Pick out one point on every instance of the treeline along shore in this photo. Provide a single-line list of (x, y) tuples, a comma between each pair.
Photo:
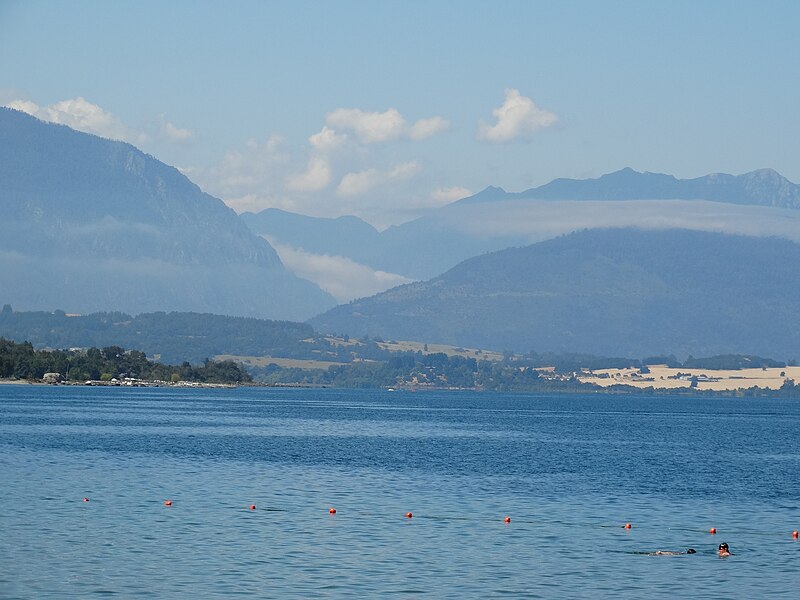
[(20, 361), (543, 374), (406, 370), (203, 349)]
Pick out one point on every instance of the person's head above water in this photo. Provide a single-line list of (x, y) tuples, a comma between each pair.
[(691, 551), (723, 549)]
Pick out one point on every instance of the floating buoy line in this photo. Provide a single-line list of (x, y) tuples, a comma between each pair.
[(795, 534)]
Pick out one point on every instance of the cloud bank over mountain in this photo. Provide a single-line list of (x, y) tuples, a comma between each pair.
[(761, 203)]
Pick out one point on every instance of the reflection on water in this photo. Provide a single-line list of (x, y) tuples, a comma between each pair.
[(568, 470)]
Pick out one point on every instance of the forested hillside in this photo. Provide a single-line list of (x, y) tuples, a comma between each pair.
[(172, 337), (617, 292)]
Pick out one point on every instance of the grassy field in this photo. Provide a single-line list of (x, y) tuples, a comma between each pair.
[(449, 350), (263, 361)]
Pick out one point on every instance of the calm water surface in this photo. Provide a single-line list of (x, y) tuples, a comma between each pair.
[(568, 470)]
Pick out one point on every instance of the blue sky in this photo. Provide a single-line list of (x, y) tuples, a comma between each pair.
[(387, 109)]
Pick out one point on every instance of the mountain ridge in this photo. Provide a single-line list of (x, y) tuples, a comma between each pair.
[(762, 187), (343, 235), (495, 219), (93, 224)]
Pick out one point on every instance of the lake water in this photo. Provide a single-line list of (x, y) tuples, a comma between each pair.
[(570, 471)]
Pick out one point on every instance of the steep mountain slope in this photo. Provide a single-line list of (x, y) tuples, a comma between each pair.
[(614, 292), (92, 224)]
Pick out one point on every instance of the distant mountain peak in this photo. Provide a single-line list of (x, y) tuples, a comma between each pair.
[(770, 175), (487, 194), (625, 171), (630, 173), (762, 187)]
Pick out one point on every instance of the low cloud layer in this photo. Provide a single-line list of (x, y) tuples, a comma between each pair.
[(342, 278), (517, 118), (529, 221)]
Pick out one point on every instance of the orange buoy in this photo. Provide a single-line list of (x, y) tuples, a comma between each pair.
[(332, 511), (628, 525), (252, 507), (713, 530), (85, 499), (507, 520), (795, 534), (168, 503), (409, 515)]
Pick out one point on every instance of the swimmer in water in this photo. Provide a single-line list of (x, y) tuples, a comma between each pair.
[(723, 550), (671, 552)]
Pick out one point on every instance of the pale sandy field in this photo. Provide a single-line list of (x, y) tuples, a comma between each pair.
[(664, 377)]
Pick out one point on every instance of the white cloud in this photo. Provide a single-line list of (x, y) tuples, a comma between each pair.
[(451, 194), (327, 139), (25, 106), (258, 168), (404, 170), (316, 176), (331, 175), (371, 127), (425, 128), (355, 184), (341, 277), (82, 115), (368, 126), (174, 133), (518, 117)]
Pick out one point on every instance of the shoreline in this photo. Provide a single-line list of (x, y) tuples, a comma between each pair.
[(615, 388), (137, 383)]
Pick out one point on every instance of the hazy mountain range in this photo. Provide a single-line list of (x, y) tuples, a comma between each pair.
[(764, 187), (613, 292), (91, 224), (700, 266), (758, 203)]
